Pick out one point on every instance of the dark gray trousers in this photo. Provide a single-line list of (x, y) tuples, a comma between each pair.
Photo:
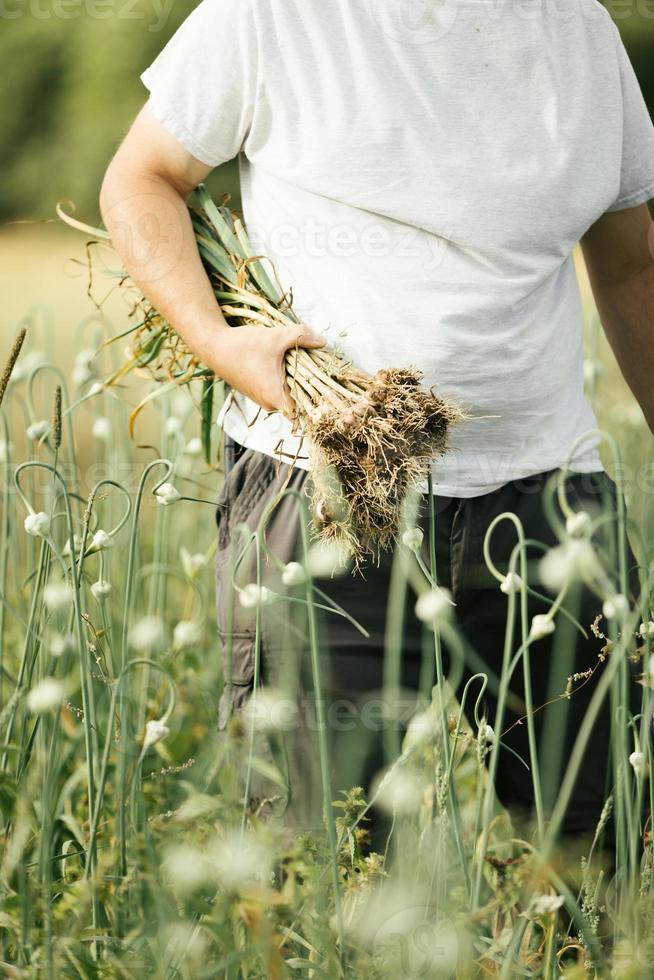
[(352, 665)]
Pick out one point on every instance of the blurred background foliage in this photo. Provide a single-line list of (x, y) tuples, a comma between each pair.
[(70, 87)]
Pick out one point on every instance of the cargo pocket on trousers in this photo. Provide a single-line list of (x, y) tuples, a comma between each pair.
[(235, 695)]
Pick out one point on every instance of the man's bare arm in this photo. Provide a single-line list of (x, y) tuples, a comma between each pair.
[(143, 204), (619, 254)]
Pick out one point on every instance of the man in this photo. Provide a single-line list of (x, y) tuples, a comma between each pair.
[(420, 183)]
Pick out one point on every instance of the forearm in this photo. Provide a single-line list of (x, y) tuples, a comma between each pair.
[(626, 309), (151, 229)]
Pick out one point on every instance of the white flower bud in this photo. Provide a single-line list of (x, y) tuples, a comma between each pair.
[(38, 429), (38, 525), (95, 389), (192, 564), (293, 574), (193, 447), (59, 644), (173, 426), (26, 365), (183, 466), (180, 401), (238, 859), (541, 626), (76, 545), (413, 538), (511, 583), (47, 695), (423, 729), (85, 357), (546, 904), (399, 790), (434, 605), (187, 867), (270, 711), (101, 590), (646, 629), (58, 596), (186, 633), (166, 494), (102, 541), (102, 429), (638, 762), (147, 634), (81, 375), (616, 607), (155, 731), (486, 735), (253, 595), (567, 562), (326, 558), (579, 525)]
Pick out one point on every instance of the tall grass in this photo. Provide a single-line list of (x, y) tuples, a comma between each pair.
[(137, 837)]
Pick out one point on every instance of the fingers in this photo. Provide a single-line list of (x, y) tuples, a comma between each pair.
[(287, 407), (288, 338)]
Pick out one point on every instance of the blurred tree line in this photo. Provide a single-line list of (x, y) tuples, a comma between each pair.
[(69, 87)]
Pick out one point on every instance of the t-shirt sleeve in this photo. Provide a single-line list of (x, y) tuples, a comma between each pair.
[(637, 168), (203, 84)]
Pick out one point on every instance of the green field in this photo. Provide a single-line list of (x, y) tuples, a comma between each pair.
[(135, 836), (131, 845)]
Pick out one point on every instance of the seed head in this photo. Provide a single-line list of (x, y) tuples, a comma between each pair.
[(56, 418), (11, 363)]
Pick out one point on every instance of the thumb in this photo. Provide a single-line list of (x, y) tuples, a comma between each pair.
[(303, 336)]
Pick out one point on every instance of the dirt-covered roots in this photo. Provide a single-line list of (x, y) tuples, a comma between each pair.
[(368, 454)]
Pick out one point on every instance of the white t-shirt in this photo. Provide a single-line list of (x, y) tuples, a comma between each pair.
[(419, 173)]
